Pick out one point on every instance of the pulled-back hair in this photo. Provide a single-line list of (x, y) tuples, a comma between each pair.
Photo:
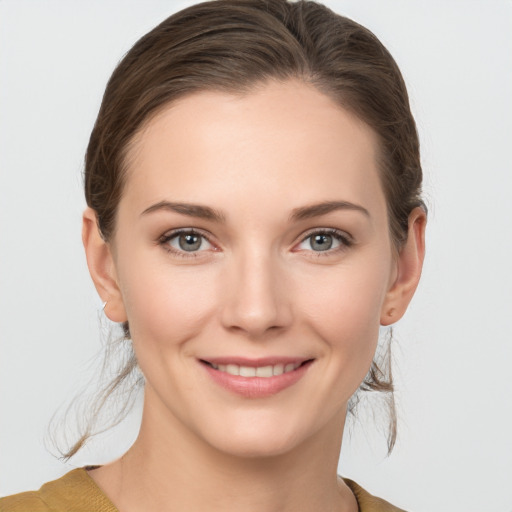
[(233, 46)]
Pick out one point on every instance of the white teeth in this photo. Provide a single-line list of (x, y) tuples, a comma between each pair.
[(233, 369), (247, 371), (264, 371), (259, 371), (278, 369)]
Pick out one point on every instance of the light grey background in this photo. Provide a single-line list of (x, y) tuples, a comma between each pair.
[(454, 348)]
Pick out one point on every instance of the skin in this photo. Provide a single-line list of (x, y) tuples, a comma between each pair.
[(256, 287)]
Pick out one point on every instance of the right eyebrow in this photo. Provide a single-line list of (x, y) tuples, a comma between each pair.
[(191, 210)]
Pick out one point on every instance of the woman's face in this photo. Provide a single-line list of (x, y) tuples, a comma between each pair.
[(254, 265)]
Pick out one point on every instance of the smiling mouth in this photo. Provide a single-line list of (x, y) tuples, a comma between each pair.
[(266, 371)]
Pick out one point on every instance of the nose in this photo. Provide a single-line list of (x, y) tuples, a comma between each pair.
[(257, 298)]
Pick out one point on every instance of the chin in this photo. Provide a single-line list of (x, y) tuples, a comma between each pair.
[(254, 447), (258, 439)]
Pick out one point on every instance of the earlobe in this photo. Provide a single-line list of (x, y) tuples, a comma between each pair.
[(101, 267), (409, 267)]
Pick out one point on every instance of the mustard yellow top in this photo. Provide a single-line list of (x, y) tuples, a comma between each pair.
[(76, 491)]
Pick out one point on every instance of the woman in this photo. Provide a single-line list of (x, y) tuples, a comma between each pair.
[(254, 216)]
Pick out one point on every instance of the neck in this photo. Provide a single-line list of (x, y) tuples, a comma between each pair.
[(169, 468)]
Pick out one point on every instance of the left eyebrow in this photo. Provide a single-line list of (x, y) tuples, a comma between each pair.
[(315, 210)]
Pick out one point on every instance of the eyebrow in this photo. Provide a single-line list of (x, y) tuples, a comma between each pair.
[(302, 213), (192, 210), (315, 210)]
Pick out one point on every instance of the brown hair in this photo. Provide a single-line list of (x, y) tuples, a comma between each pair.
[(232, 46)]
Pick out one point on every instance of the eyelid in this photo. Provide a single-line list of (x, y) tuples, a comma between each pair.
[(327, 231), (164, 239), (346, 240)]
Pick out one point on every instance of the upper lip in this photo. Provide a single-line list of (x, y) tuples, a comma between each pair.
[(255, 362)]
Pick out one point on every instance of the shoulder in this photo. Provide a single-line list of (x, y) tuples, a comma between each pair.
[(369, 503), (74, 492), (24, 502)]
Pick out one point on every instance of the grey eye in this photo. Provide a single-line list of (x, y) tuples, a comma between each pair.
[(190, 242), (186, 243), (321, 242)]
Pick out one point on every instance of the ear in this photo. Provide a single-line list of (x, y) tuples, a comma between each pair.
[(409, 265), (101, 267)]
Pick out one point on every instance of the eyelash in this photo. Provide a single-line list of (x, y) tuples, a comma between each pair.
[(345, 240), (165, 239)]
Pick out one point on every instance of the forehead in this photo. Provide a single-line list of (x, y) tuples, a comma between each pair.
[(284, 142)]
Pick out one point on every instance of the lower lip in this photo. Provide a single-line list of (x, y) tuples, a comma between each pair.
[(257, 387)]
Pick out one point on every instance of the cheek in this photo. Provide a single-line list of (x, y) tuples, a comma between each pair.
[(343, 308), (166, 306)]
